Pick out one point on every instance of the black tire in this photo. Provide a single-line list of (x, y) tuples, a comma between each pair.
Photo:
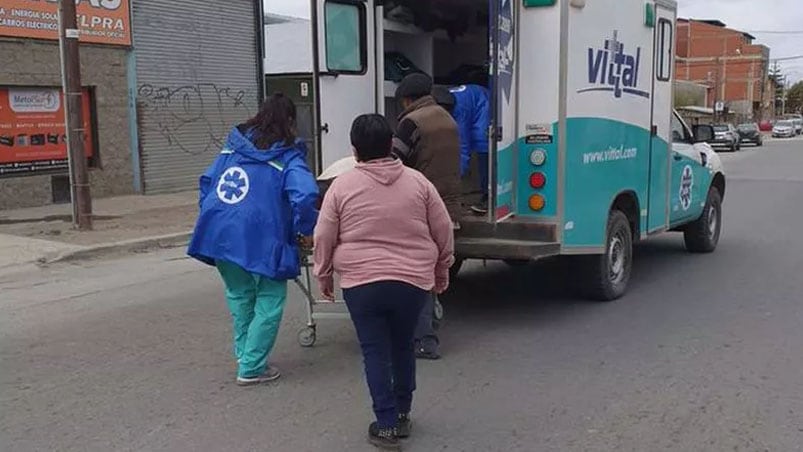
[(606, 275), (517, 262), (733, 147), (702, 236)]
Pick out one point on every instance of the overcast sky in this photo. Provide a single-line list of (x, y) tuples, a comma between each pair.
[(747, 15)]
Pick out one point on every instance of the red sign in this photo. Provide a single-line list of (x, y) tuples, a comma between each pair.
[(32, 130), (99, 21)]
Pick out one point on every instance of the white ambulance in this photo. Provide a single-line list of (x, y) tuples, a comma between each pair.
[(587, 155)]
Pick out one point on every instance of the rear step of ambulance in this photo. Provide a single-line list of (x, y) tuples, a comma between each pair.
[(515, 239)]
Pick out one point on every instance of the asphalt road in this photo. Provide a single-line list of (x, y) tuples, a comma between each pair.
[(705, 353)]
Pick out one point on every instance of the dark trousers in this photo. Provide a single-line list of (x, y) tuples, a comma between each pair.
[(482, 166), (425, 329), (385, 314)]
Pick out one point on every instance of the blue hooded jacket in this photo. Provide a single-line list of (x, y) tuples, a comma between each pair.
[(254, 205), (472, 114)]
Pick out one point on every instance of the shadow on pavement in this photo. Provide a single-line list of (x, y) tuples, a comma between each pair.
[(547, 286)]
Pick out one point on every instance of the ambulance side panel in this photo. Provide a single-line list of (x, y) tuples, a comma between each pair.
[(539, 101), (609, 113)]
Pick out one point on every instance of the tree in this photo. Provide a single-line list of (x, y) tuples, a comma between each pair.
[(779, 79), (794, 98)]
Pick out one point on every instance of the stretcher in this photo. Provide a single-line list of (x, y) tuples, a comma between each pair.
[(307, 335)]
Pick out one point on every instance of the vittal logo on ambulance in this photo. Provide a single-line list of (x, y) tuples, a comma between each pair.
[(614, 68)]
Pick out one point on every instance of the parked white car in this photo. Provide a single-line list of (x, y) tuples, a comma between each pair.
[(784, 129), (797, 121)]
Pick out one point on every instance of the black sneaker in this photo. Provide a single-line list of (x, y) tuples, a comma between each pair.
[(405, 426), (480, 208), (383, 438), (427, 348)]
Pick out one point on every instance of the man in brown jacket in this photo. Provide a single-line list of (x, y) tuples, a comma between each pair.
[(427, 139)]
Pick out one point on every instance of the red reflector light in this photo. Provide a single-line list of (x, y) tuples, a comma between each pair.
[(537, 180)]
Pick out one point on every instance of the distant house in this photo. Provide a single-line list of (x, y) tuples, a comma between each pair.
[(288, 47), (728, 62)]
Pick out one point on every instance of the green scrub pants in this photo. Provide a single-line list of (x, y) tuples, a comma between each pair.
[(256, 304)]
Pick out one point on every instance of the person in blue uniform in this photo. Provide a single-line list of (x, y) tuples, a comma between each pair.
[(470, 107), (257, 204)]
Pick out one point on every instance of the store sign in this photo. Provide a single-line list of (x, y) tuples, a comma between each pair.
[(32, 131), (99, 21)]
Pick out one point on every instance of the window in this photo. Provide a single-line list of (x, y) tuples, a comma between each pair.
[(679, 132), (663, 59), (345, 37)]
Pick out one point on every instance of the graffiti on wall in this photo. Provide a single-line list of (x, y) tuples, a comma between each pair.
[(194, 118)]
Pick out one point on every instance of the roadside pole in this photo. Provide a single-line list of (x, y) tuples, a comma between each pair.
[(71, 81)]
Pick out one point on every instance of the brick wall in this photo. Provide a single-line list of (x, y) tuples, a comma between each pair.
[(36, 63), (709, 52)]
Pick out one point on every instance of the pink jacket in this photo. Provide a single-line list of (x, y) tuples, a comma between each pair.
[(382, 221)]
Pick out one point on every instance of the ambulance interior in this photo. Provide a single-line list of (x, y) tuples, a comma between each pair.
[(446, 39)]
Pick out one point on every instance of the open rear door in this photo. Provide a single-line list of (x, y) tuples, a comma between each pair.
[(344, 71), (662, 138), (503, 136)]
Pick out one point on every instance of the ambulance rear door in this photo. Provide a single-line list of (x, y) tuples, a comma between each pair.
[(344, 72)]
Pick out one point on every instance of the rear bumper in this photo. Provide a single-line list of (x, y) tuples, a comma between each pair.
[(516, 239), (503, 249), (722, 144)]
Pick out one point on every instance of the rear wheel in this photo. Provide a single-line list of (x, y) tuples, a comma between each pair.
[(702, 236), (607, 275), (517, 262)]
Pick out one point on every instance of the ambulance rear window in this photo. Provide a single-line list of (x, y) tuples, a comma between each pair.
[(345, 37)]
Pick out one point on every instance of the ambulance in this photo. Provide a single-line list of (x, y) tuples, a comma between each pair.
[(587, 156)]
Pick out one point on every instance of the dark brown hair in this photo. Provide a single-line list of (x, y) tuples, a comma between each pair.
[(371, 137), (275, 122)]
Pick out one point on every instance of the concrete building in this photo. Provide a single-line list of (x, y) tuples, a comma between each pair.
[(729, 63), (29, 64), (165, 81), (288, 47)]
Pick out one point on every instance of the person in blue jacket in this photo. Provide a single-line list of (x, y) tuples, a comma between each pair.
[(257, 203), (470, 107)]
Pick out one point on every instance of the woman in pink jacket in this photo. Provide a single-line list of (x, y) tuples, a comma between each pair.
[(385, 231)]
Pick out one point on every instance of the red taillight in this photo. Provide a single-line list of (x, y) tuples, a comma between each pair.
[(537, 180)]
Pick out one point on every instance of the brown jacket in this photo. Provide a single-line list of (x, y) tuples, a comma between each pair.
[(427, 139)]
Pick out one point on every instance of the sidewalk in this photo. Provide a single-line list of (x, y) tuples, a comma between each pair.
[(43, 234)]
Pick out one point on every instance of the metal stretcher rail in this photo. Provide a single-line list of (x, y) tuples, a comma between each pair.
[(307, 335)]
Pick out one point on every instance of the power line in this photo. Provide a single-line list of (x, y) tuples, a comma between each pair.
[(797, 57), (776, 32)]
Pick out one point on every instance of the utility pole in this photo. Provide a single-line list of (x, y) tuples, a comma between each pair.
[(717, 82), (71, 80)]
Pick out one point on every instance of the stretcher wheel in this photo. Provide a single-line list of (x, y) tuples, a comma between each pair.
[(437, 311), (306, 336)]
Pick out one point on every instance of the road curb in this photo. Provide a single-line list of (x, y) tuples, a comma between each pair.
[(131, 246)]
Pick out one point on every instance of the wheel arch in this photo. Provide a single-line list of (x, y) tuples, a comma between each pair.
[(628, 203), (719, 183)]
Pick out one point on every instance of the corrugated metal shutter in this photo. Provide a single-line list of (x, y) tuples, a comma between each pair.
[(197, 72)]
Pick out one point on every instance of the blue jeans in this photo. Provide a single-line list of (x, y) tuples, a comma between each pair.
[(256, 304), (385, 314)]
